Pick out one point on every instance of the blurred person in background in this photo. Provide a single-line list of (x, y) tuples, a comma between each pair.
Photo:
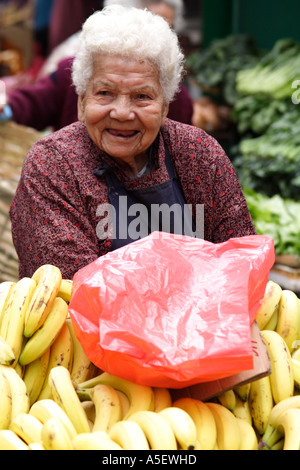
[(52, 101)]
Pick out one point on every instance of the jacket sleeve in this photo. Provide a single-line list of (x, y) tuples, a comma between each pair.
[(49, 221)]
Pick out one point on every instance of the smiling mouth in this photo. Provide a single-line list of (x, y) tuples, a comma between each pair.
[(122, 134)]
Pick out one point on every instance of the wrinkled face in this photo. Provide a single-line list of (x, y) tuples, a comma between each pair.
[(123, 107)]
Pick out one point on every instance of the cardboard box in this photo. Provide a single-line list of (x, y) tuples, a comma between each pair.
[(261, 368)]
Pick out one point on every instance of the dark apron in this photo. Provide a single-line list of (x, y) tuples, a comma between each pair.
[(127, 205)]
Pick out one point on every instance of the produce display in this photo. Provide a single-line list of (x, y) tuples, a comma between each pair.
[(53, 398), (267, 115), (278, 218)]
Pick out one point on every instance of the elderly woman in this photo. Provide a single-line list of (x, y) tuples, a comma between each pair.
[(83, 187)]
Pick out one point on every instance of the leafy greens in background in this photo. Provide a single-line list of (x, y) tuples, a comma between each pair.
[(277, 217)]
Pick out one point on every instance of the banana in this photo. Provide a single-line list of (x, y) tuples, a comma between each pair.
[(45, 336), (55, 436), (272, 434), (36, 446), (90, 410), (228, 431), (183, 426), (35, 376), (19, 395), (45, 409), (288, 325), (162, 398), (281, 377), (242, 391), (248, 436), (48, 279), (203, 419), (64, 394), (296, 371), (13, 320), (296, 354), (156, 428), (7, 356), (261, 403), (141, 397), (272, 323), (97, 440), (65, 290), (5, 402), (5, 290), (269, 305), (61, 354), (289, 424), (10, 441), (81, 363), (242, 410), (125, 403), (107, 406), (19, 369), (128, 435), (27, 427), (227, 399)]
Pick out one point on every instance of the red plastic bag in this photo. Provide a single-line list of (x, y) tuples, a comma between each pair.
[(170, 310)]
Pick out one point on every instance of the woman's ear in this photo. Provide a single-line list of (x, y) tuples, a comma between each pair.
[(81, 107), (165, 113)]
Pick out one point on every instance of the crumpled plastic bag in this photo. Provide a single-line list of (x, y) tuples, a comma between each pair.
[(170, 310)]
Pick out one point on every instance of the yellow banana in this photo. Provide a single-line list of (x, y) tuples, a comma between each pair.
[(45, 409), (183, 426), (64, 394), (261, 403), (97, 440), (296, 353), (272, 434), (20, 399), (141, 397), (125, 403), (13, 321), (248, 436), (27, 427), (81, 363), (65, 290), (227, 399), (61, 354), (203, 419), (90, 410), (228, 432), (5, 402), (242, 391), (157, 430), (288, 325), (107, 406), (272, 323), (242, 410), (5, 290), (36, 446), (19, 369), (281, 377), (289, 424), (55, 436), (296, 371), (129, 435), (162, 398), (48, 279), (10, 441), (45, 336), (269, 305), (35, 375), (7, 356)]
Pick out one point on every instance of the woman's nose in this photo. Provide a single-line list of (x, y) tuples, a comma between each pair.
[(122, 109)]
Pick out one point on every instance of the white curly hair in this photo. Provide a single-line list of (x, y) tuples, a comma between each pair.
[(129, 32)]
